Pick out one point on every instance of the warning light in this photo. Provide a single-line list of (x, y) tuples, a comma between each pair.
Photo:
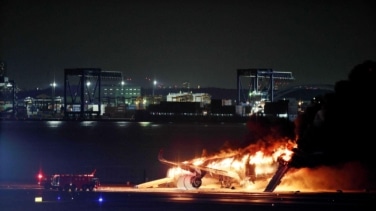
[(40, 177)]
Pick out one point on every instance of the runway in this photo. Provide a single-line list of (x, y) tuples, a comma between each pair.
[(123, 152), (115, 197)]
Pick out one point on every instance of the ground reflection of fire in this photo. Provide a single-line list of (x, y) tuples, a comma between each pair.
[(348, 176)]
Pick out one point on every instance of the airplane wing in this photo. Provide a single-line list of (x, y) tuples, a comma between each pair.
[(194, 167), (164, 182)]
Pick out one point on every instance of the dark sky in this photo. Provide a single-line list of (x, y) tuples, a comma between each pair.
[(203, 42)]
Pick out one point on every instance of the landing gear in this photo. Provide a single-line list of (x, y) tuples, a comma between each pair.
[(225, 182)]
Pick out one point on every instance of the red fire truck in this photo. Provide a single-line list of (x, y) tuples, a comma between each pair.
[(72, 182)]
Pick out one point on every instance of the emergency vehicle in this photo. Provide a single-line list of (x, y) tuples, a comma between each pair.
[(71, 182)]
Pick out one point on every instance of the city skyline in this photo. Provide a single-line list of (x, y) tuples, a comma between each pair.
[(203, 43)]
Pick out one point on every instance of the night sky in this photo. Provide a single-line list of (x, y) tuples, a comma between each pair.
[(202, 42)]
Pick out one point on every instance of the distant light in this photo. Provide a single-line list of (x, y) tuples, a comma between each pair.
[(38, 199), (100, 199)]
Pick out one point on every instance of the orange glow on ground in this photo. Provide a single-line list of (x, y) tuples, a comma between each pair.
[(350, 176)]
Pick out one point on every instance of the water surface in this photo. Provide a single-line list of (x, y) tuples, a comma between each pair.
[(119, 151)]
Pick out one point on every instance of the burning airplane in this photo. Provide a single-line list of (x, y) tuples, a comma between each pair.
[(241, 168)]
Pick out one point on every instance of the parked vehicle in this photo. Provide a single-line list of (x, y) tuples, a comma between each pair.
[(71, 182)]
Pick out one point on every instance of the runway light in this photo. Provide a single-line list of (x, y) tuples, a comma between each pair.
[(38, 199), (100, 199)]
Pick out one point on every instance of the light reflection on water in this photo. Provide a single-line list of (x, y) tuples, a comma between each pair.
[(54, 123), (123, 124), (144, 124), (88, 123)]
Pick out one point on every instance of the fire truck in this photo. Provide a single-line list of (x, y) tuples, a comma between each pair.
[(71, 182)]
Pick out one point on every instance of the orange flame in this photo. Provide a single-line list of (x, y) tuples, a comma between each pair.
[(264, 161)]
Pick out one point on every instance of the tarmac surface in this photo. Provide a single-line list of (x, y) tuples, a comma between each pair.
[(117, 197)]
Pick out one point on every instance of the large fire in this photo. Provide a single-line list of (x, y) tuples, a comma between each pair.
[(243, 165), (263, 162)]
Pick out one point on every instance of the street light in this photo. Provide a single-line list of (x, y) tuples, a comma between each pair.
[(53, 85), (122, 92), (12, 84), (154, 84), (88, 83)]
